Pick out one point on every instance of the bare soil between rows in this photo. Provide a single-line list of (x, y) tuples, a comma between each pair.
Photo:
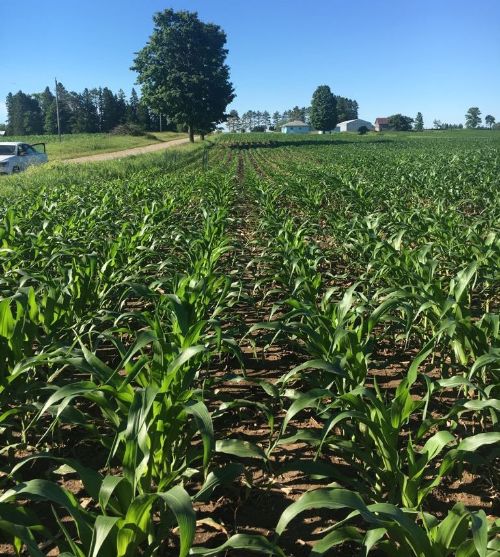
[(240, 508)]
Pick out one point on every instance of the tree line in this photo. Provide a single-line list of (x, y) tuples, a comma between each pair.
[(91, 111), (256, 120)]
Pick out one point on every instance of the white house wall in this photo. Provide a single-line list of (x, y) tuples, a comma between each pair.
[(294, 129)]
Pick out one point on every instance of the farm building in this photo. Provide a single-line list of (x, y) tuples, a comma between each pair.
[(2, 132), (296, 126), (353, 125), (382, 124)]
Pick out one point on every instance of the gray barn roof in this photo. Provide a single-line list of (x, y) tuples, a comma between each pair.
[(296, 124), (354, 120)]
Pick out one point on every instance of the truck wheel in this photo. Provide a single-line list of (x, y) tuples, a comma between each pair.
[(15, 170)]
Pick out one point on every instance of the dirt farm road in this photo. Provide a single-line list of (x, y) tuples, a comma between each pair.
[(129, 152)]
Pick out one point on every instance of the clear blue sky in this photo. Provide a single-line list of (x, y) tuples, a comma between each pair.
[(435, 56)]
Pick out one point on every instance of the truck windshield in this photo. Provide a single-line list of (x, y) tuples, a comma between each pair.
[(7, 150)]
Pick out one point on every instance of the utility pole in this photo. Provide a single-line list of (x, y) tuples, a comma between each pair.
[(161, 127), (57, 112)]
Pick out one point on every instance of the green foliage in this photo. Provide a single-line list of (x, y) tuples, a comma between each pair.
[(323, 109), (473, 117), (91, 111), (489, 120), (128, 297), (24, 116), (192, 89), (419, 122), (400, 123)]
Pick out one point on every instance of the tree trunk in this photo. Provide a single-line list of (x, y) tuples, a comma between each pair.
[(191, 134), (202, 136)]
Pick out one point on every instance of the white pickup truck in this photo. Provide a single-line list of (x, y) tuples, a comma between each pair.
[(16, 156)]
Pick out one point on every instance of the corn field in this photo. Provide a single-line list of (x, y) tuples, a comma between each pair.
[(284, 346)]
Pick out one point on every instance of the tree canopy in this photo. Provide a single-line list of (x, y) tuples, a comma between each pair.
[(183, 72), (489, 120), (347, 109), (419, 122), (92, 110), (473, 117), (400, 123), (323, 109)]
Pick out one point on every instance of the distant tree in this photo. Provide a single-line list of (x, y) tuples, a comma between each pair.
[(133, 107), (243, 121), (363, 130), (233, 120), (400, 123), (323, 109), (354, 108), (248, 120), (347, 109), (121, 107), (182, 70), (24, 115), (446, 126), (252, 115), (473, 117), (266, 119), (307, 115), (85, 118), (489, 120), (437, 124), (276, 119), (65, 102), (496, 126), (97, 99), (419, 122), (47, 101), (109, 114), (297, 113)]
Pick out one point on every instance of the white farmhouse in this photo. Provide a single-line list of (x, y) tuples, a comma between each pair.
[(296, 126), (353, 125)]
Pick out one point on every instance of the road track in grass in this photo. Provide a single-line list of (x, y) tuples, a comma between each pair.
[(153, 148)]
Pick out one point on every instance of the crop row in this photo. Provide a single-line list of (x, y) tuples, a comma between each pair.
[(121, 307)]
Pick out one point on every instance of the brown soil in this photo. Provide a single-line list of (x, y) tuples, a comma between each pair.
[(257, 509)]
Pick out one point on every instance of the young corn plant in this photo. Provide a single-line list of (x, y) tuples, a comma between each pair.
[(400, 469), (385, 529)]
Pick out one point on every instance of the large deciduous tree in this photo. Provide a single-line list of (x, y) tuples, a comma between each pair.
[(473, 117), (489, 120), (323, 109), (400, 123), (182, 70)]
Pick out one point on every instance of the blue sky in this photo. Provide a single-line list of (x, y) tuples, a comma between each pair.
[(435, 56)]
